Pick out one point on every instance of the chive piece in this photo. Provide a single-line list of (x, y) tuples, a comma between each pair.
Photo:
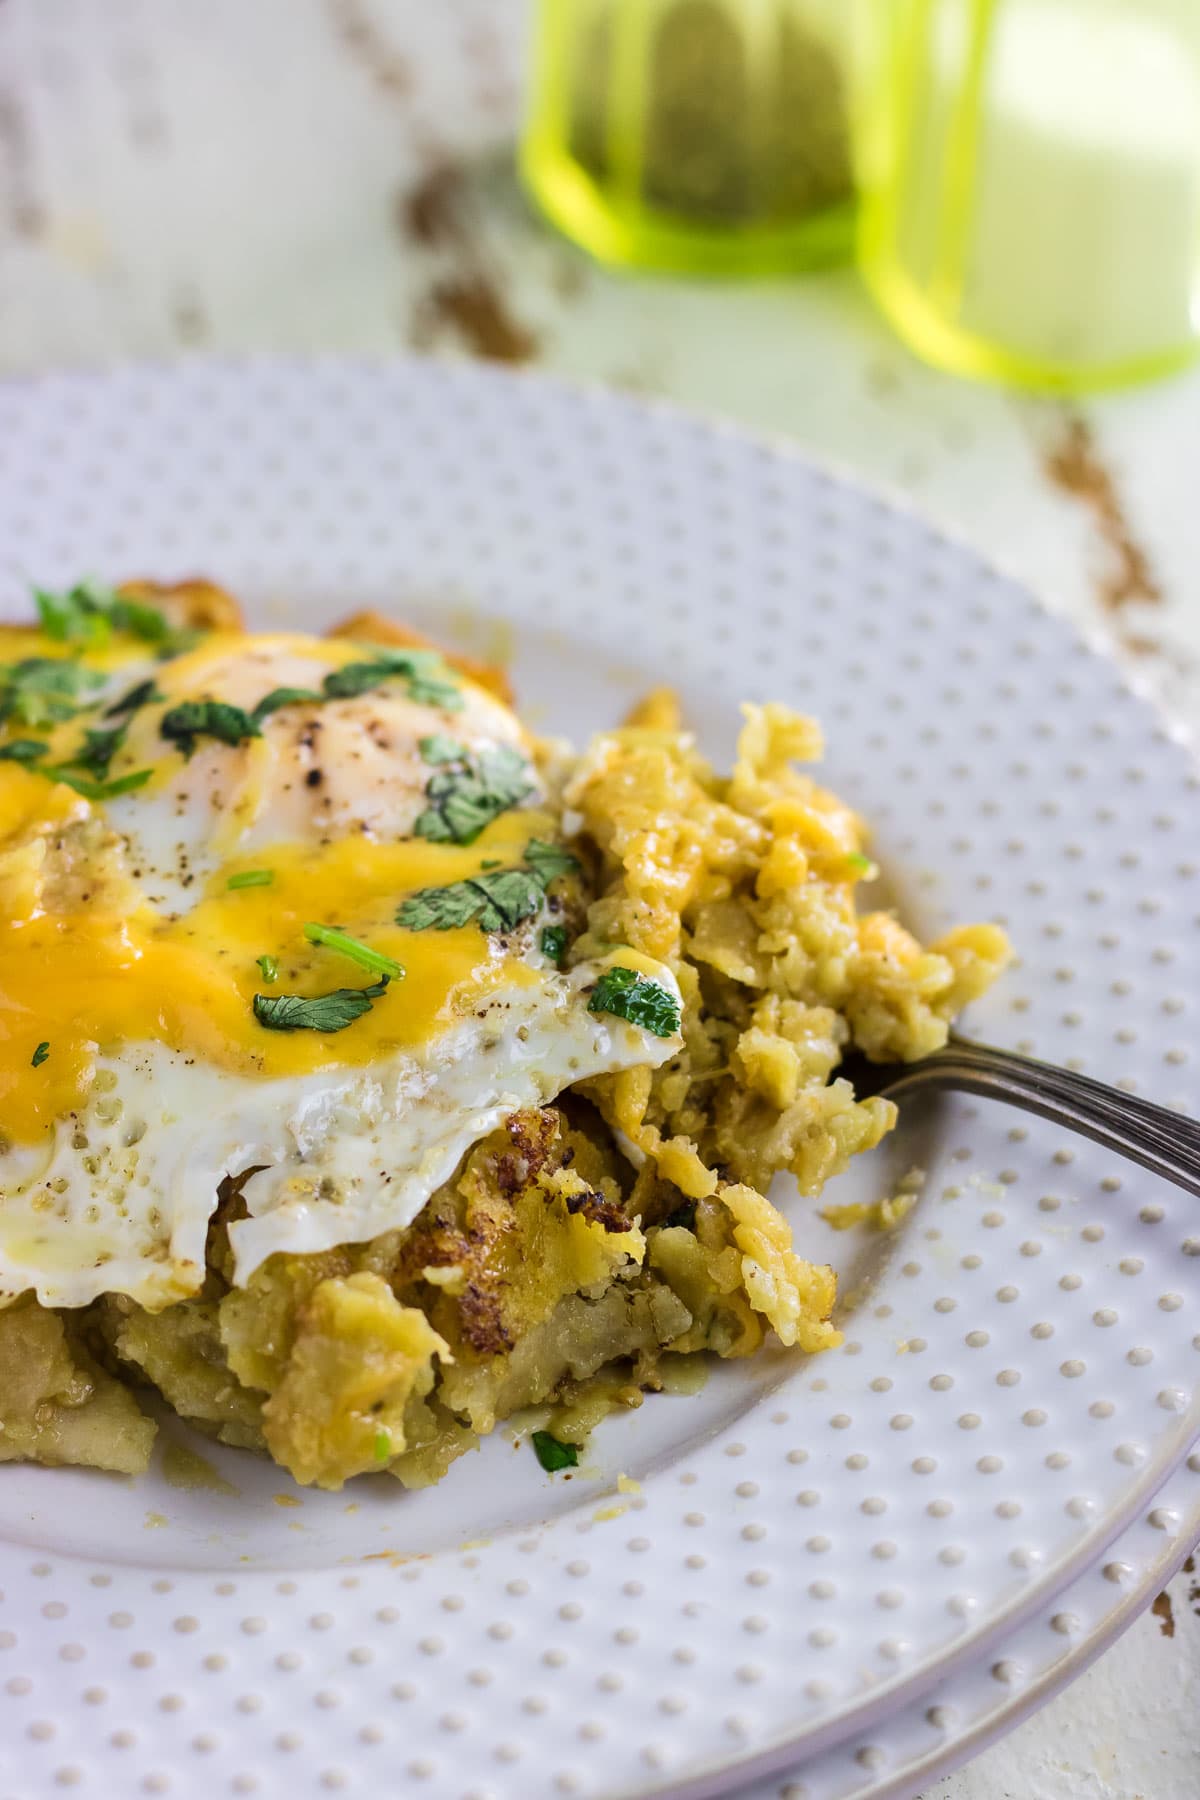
[(251, 878), (99, 790), (40, 1054), (383, 1447), (551, 1454), (333, 939), (269, 967), (554, 944)]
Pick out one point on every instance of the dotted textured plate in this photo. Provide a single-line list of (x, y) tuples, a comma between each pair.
[(815, 1543), (980, 1700)]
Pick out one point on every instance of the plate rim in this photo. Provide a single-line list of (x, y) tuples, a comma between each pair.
[(886, 1695)]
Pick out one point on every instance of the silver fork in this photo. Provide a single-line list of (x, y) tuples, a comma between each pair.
[(1161, 1140)]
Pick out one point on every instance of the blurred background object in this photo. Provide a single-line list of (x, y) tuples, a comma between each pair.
[(1032, 186), (702, 135)]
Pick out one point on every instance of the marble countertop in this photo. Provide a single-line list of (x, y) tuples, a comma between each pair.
[(337, 175)]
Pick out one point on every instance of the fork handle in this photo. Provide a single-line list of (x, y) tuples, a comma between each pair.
[(1161, 1140)]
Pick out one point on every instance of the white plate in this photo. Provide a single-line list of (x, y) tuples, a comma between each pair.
[(816, 1542), (979, 1701)]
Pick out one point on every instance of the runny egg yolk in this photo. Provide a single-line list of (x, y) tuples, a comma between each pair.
[(80, 981), (98, 958)]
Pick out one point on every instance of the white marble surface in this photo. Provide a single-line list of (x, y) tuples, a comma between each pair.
[(177, 177)]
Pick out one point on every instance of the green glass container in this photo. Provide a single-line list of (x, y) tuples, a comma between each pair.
[(1030, 174), (710, 136)]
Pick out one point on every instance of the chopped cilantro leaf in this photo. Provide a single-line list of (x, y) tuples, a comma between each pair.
[(427, 690), (142, 695), (353, 679), (320, 1012), (333, 939), (73, 615), (269, 967), (628, 995), (99, 790), (548, 861), (40, 1054), (553, 943), (191, 719), (281, 696), (23, 750), (499, 900), (89, 613), (468, 791), (424, 672), (44, 690), (552, 1454), (441, 749), (383, 1447), (248, 878)]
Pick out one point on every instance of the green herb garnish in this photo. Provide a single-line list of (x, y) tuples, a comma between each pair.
[(40, 1054), (44, 690), (248, 878), (87, 772), (553, 942), (89, 613), (321, 1012), (549, 861), (383, 1447), (191, 719), (438, 748), (97, 751), (281, 696), (333, 939), (552, 1454), (628, 995), (858, 861), (98, 790), (469, 791), (269, 967), (421, 669), (424, 672), (499, 901), (142, 695)]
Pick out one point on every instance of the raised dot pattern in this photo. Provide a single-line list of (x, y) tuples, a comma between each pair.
[(1031, 1363)]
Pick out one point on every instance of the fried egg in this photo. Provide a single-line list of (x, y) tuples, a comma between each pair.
[(276, 908)]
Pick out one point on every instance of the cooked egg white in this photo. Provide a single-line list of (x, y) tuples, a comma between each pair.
[(127, 953)]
